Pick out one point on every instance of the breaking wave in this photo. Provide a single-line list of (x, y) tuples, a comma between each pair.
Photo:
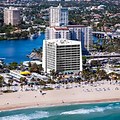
[(35, 115), (91, 110), (40, 114)]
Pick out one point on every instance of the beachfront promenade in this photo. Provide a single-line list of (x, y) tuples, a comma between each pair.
[(101, 91)]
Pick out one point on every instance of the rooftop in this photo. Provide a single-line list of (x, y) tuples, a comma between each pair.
[(12, 8), (63, 42)]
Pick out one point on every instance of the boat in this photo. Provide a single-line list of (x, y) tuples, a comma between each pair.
[(34, 36), (2, 61), (39, 33)]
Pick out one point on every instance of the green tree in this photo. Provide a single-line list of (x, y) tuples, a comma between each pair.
[(84, 59), (36, 68), (10, 81), (22, 81), (1, 82), (101, 74), (53, 73), (42, 82), (13, 65), (86, 74)]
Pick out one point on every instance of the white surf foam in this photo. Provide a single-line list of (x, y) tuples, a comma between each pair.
[(35, 115), (15, 117), (87, 111), (83, 111), (39, 114)]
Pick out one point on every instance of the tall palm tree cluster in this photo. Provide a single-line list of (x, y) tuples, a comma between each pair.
[(1, 80), (97, 75), (35, 68)]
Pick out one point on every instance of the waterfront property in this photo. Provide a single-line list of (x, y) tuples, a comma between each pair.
[(59, 29), (62, 55), (82, 33), (63, 45), (73, 32)]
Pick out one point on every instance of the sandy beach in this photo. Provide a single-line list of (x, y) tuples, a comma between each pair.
[(77, 94)]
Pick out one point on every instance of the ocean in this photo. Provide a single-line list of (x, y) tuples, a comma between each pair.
[(101, 111)]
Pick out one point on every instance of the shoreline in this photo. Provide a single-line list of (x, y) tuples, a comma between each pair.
[(86, 94), (19, 38), (10, 39), (37, 105)]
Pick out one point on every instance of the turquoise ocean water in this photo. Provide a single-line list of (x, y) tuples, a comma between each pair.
[(101, 111)]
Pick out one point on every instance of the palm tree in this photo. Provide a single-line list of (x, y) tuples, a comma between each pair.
[(1, 82), (40, 68), (101, 74), (22, 81), (36, 68), (39, 50), (10, 81), (13, 65), (51, 81), (41, 82), (53, 73), (86, 74)]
